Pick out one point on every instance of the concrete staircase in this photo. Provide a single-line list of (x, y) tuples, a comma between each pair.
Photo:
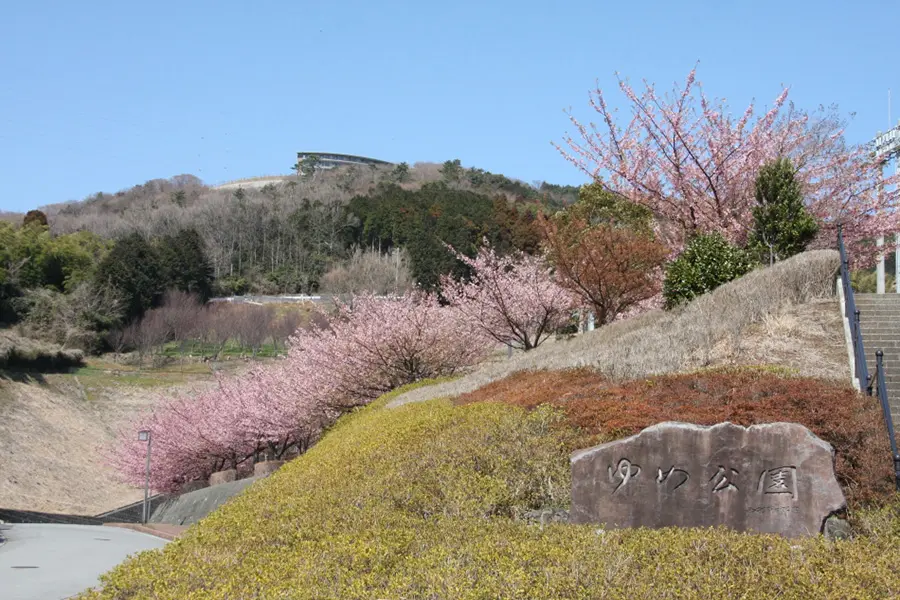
[(879, 317)]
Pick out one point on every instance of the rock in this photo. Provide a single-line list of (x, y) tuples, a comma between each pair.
[(547, 515), (192, 486), (266, 467), (223, 477), (837, 529), (773, 478)]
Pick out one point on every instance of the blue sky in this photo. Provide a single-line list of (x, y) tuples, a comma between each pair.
[(100, 96)]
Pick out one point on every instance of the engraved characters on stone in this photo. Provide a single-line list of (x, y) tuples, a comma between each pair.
[(673, 474), (624, 472), (723, 480), (781, 480)]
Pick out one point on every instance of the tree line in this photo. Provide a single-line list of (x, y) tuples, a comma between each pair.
[(81, 290), (283, 238)]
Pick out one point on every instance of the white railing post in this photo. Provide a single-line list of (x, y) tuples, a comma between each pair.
[(897, 261)]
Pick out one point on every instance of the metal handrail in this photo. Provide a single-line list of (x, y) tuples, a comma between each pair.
[(886, 409), (861, 370)]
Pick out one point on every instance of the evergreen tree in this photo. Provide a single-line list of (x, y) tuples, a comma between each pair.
[(401, 173), (133, 269), (782, 225), (598, 206), (35, 217), (184, 264), (451, 171)]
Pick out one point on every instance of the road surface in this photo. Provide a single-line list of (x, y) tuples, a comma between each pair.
[(51, 562)]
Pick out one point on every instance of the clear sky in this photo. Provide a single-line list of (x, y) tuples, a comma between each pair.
[(102, 95)]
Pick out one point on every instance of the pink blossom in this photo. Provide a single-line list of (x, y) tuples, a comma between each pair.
[(369, 347), (512, 299), (685, 158)]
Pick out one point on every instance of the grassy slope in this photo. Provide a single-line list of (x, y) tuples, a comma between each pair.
[(782, 315), (426, 500), (51, 426), (422, 502)]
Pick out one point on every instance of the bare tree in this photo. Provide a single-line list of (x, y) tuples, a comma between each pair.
[(118, 340), (219, 327), (252, 325), (281, 328), (370, 271), (181, 313), (148, 334)]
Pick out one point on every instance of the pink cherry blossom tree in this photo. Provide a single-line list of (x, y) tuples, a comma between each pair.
[(196, 434), (374, 345), (370, 346), (512, 299), (686, 158)]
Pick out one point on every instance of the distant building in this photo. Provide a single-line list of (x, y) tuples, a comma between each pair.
[(325, 160), (328, 160)]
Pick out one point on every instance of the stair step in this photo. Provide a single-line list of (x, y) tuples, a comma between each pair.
[(872, 295), (889, 360)]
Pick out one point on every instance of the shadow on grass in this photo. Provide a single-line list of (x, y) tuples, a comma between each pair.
[(24, 375)]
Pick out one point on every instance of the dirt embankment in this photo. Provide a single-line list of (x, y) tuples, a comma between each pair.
[(786, 315), (51, 430)]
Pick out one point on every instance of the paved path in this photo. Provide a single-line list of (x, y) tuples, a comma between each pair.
[(63, 560)]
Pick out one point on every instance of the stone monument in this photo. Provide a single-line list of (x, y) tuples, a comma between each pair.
[(773, 478)]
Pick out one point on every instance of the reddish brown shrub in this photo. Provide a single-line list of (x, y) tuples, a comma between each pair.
[(602, 410)]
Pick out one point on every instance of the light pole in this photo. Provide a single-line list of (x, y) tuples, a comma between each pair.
[(144, 436)]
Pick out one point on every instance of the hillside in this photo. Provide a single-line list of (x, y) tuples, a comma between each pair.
[(445, 502), (112, 213), (52, 427), (785, 315), (282, 234), (461, 496)]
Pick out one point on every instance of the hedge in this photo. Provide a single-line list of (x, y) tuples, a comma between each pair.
[(603, 410)]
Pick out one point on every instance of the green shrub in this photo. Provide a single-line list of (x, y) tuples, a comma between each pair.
[(707, 262), (415, 502), (866, 282)]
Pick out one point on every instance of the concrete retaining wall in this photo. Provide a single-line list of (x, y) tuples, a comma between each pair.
[(189, 508)]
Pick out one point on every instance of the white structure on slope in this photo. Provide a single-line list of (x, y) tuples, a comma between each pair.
[(887, 148)]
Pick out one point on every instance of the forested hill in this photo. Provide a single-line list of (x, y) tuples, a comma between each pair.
[(284, 237)]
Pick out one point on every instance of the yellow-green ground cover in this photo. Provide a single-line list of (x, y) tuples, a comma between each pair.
[(424, 502)]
